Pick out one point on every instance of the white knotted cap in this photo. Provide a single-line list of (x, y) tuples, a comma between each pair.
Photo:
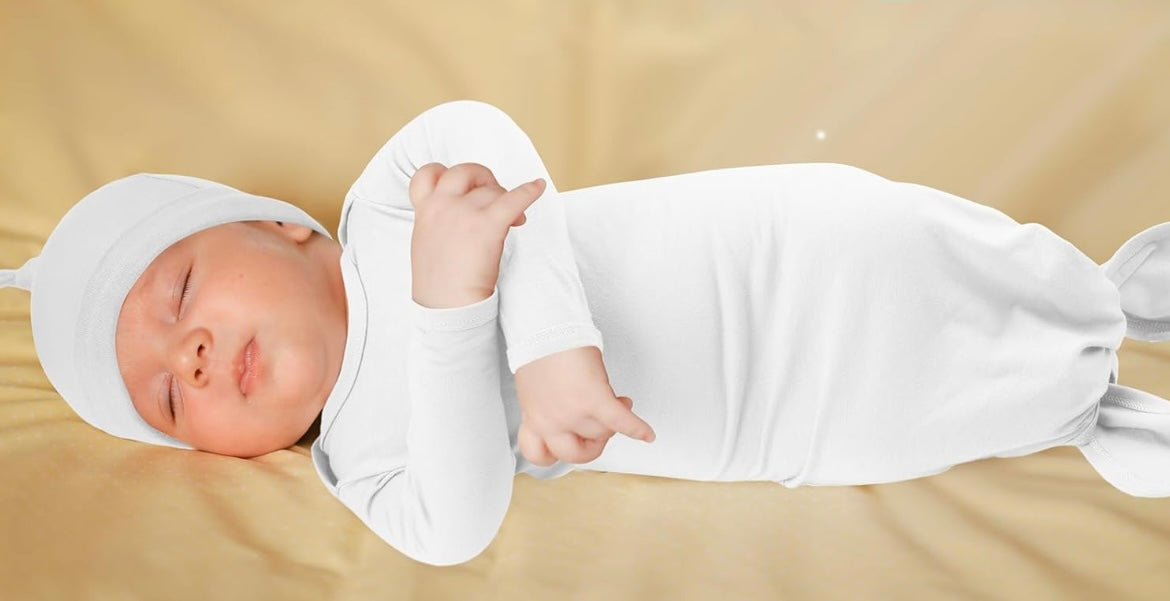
[(90, 262)]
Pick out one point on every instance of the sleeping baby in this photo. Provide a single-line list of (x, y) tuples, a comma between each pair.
[(804, 324)]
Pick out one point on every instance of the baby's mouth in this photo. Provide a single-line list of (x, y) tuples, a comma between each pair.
[(247, 366)]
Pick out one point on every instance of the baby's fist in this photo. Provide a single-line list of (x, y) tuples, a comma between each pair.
[(569, 411), (461, 218)]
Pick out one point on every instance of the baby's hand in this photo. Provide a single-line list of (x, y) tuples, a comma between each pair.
[(569, 411), (461, 217)]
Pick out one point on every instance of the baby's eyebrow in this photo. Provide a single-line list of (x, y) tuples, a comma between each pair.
[(152, 276), (145, 288), (164, 283)]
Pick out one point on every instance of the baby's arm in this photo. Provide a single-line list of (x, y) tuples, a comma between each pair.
[(446, 499), (543, 308), (440, 495)]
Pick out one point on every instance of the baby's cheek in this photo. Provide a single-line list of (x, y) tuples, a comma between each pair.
[(297, 373)]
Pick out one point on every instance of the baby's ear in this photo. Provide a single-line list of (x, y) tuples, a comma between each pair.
[(294, 232)]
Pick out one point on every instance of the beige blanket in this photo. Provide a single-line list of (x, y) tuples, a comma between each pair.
[(1056, 112)]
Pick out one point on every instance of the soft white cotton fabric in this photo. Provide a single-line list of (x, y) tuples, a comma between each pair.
[(92, 259), (807, 324)]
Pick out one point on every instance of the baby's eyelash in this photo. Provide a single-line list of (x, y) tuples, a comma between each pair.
[(186, 288), (172, 392), (173, 388)]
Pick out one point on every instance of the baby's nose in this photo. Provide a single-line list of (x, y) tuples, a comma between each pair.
[(191, 356)]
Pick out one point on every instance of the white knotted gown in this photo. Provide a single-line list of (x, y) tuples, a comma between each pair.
[(808, 324)]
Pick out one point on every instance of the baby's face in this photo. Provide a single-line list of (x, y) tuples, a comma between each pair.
[(232, 338)]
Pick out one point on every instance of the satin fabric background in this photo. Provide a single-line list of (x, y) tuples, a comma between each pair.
[(1053, 111)]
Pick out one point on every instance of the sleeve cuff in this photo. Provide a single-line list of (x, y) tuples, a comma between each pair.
[(553, 340), (454, 319)]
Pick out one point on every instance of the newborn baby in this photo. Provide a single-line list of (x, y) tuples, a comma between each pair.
[(806, 324)]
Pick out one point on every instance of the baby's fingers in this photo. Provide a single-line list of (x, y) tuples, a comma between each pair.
[(510, 206), (619, 417), (533, 447), (423, 182), (571, 448)]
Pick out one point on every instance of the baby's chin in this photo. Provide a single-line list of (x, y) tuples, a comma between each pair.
[(246, 447)]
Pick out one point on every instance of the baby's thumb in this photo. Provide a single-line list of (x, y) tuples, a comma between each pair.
[(627, 401)]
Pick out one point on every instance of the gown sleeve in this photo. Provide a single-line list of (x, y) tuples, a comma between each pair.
[(444, 501), (542, 306)]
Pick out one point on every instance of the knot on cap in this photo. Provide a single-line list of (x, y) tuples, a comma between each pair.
[(21, 278)]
